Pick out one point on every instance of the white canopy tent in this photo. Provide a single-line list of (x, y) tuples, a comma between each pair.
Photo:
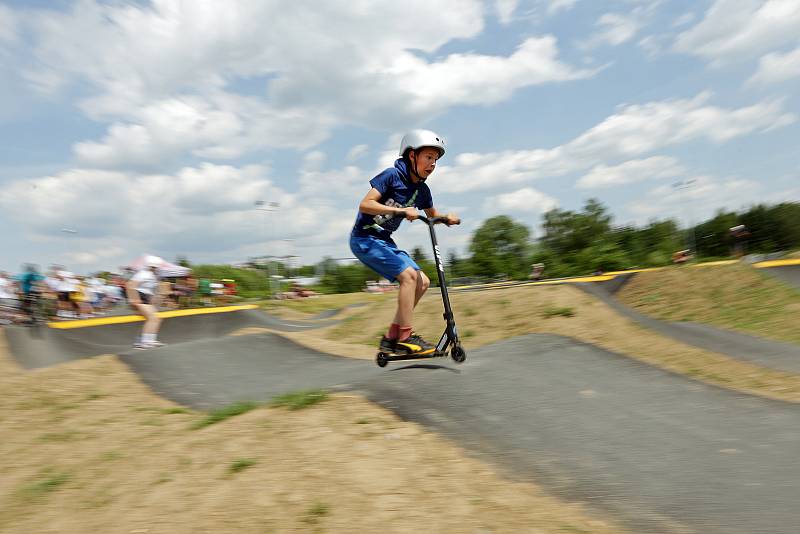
[(166, 270)]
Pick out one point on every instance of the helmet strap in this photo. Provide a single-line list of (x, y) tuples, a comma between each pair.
[(413, 167)]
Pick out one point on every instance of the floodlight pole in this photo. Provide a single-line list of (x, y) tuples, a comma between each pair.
[(267, 208), (681, 186)]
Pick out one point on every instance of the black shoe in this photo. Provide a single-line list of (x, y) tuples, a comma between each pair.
[(388, 345), (415, 345)]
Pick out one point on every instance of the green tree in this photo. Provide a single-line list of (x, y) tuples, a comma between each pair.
[(457, 267), (250, 282), (347, 278), (500, 246), (773, 228), (568, 232), (713, 237)]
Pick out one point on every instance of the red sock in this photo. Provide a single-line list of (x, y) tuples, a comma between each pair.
[(404, 333), (394, 331)]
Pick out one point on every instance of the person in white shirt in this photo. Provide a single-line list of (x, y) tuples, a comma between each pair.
[(67, 307), (96, 292), (111, 294), (141, 290), (9, 304)]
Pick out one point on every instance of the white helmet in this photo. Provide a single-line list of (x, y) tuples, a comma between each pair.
[(153, 261), (416, 139)]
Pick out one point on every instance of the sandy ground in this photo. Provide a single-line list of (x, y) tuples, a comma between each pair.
[(488, 316), (88, 448)]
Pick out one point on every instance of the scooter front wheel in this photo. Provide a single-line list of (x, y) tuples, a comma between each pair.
[(458, 354), (381, 359)]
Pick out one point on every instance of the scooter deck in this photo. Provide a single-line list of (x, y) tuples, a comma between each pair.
[(385, 357)]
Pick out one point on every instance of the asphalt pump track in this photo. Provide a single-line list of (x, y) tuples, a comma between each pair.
[(658, 451), (756, 350), (789, 274)]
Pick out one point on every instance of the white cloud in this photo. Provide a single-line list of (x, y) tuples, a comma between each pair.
[(683, 20), (526, 200), (97, 256), (206, 212), (740, 29), (220, 126), (640, 128), (171, 62), (8, 25), (554, 6), (479, 79), (136, 54), (652, 45), (777, 67), (614, 29), (203, 199), (634, 130), (505, 10), (357, 152), (313, 161), (629, 172), (698, 201)]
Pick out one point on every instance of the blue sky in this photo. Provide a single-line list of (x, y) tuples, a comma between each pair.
[(155, 126)]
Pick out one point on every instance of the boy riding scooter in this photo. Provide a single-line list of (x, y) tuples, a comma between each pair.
[(397, 193)]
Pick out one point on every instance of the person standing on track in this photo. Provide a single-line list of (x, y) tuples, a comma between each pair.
[(142, 294), (396, 194)]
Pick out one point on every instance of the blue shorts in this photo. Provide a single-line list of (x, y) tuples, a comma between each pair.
[(381, 256)]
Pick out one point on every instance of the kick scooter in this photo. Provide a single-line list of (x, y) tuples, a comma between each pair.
[(449, 338)]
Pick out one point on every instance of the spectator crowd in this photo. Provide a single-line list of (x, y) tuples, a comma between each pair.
[(58, 294)]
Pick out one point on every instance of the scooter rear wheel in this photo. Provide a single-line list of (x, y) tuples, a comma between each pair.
[(458, 354)]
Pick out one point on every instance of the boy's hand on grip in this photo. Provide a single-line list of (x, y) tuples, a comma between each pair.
[(410, 214)]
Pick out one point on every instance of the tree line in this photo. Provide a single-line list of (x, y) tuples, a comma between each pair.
[(572, 243)]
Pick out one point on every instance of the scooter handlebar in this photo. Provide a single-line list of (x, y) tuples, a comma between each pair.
[(432, 220)]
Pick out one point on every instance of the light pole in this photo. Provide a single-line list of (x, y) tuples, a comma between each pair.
[(289, 257), (267, 208), (681, 186)]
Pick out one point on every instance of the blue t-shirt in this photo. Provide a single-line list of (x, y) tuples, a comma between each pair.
[(397, 190), (27, 281)]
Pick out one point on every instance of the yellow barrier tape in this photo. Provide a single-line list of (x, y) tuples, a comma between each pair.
[(775, 263), (100, 321)]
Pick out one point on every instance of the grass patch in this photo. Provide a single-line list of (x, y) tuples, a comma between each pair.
[(299, 399), (317, 511), (169, 411), (59, 436), (110, 456), (553, 311), (44, 486), (241, 464), (163, 478), (321, 303), (227, 412)]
